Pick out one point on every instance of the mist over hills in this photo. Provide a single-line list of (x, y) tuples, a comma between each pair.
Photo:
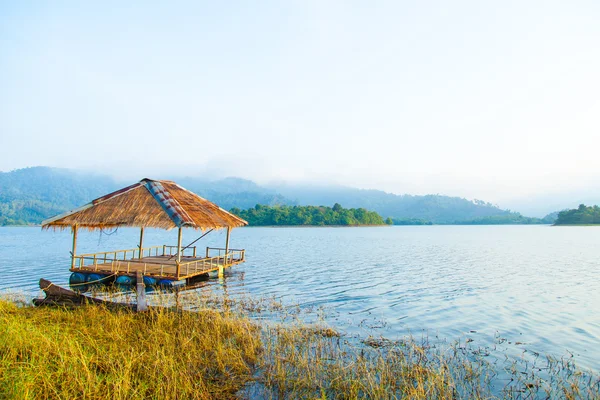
[(233, 192), (29, 195), (434, 207), (538, 206)]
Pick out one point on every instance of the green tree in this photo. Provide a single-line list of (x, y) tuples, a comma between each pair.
[(582, 215), (261, 215)]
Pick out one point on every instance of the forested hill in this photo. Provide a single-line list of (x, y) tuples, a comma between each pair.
[(309, 215), (579, 216), (30, 195), (27, 196), (409, 209)]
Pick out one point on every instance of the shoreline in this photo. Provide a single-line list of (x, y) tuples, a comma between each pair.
[(232, 354)]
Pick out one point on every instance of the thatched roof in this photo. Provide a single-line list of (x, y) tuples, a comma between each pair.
[(148, 203)]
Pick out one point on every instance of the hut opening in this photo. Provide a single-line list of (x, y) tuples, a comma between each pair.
[(151, 204)]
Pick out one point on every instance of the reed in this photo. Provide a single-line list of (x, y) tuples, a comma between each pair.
[(91, 352), (218, 351)]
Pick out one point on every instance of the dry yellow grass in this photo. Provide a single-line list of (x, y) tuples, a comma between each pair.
[(93, 353)]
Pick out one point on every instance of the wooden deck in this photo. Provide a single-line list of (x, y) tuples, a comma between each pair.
[(158, 264)]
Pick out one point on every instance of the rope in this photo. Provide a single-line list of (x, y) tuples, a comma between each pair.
[(91, 282), (108, 234), (105, 233), (79, 284), (30, 287), (36, 287)]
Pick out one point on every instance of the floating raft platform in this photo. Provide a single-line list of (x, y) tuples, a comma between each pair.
[(159, 262), (149, 204)]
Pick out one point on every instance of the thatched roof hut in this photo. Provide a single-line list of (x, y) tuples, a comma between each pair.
[(147, 204)]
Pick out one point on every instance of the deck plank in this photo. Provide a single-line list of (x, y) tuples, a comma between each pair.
[(159, 266)]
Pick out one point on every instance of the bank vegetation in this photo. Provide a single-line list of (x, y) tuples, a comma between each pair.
[(216, 351)]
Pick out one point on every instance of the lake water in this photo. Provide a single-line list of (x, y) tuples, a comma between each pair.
[(525, 289)]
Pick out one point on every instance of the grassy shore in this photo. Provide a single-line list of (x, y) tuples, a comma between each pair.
[(91, 352)]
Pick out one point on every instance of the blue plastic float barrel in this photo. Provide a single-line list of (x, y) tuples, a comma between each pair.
[(95, 278), (77, 278), (95, 281), (149, 281), (124, 280), (77, 281)]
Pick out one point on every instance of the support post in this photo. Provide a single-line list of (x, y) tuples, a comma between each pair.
[(222, 267), (74, 251), (141, 243), (227, 240), (178, 251), (141, 292)]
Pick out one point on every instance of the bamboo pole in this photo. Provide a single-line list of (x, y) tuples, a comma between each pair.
[(178, 251), (74, 251), (222, 267), (140, 292), (141, 243), (227, 240)]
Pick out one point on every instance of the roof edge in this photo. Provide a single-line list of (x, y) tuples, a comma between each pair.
[(244, 222), (66, 214), (91, 204)]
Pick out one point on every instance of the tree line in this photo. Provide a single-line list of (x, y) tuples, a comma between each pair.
[(261, 215), (582, 215), (30, 195)]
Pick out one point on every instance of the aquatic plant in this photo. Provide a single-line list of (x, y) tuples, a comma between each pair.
[(214, 349)]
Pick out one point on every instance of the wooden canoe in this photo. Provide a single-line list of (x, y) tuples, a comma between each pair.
[(56, 295)]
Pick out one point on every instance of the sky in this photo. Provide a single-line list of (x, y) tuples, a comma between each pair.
[(498, 101)]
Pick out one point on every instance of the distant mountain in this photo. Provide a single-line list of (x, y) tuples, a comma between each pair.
[(233, 192), (551, 218), (27, 196), (540, 205), (30, 195), (53, 185), (434, 208)]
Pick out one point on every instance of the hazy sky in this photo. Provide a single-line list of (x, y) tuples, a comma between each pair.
[(491, 100)]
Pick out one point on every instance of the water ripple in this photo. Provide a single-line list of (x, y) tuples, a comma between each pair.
[(537, 285)]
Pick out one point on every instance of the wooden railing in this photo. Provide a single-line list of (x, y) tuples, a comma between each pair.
[(123, 260), (185, 252), (210, 251), (131, 254), (234, 256), (129, 267)]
